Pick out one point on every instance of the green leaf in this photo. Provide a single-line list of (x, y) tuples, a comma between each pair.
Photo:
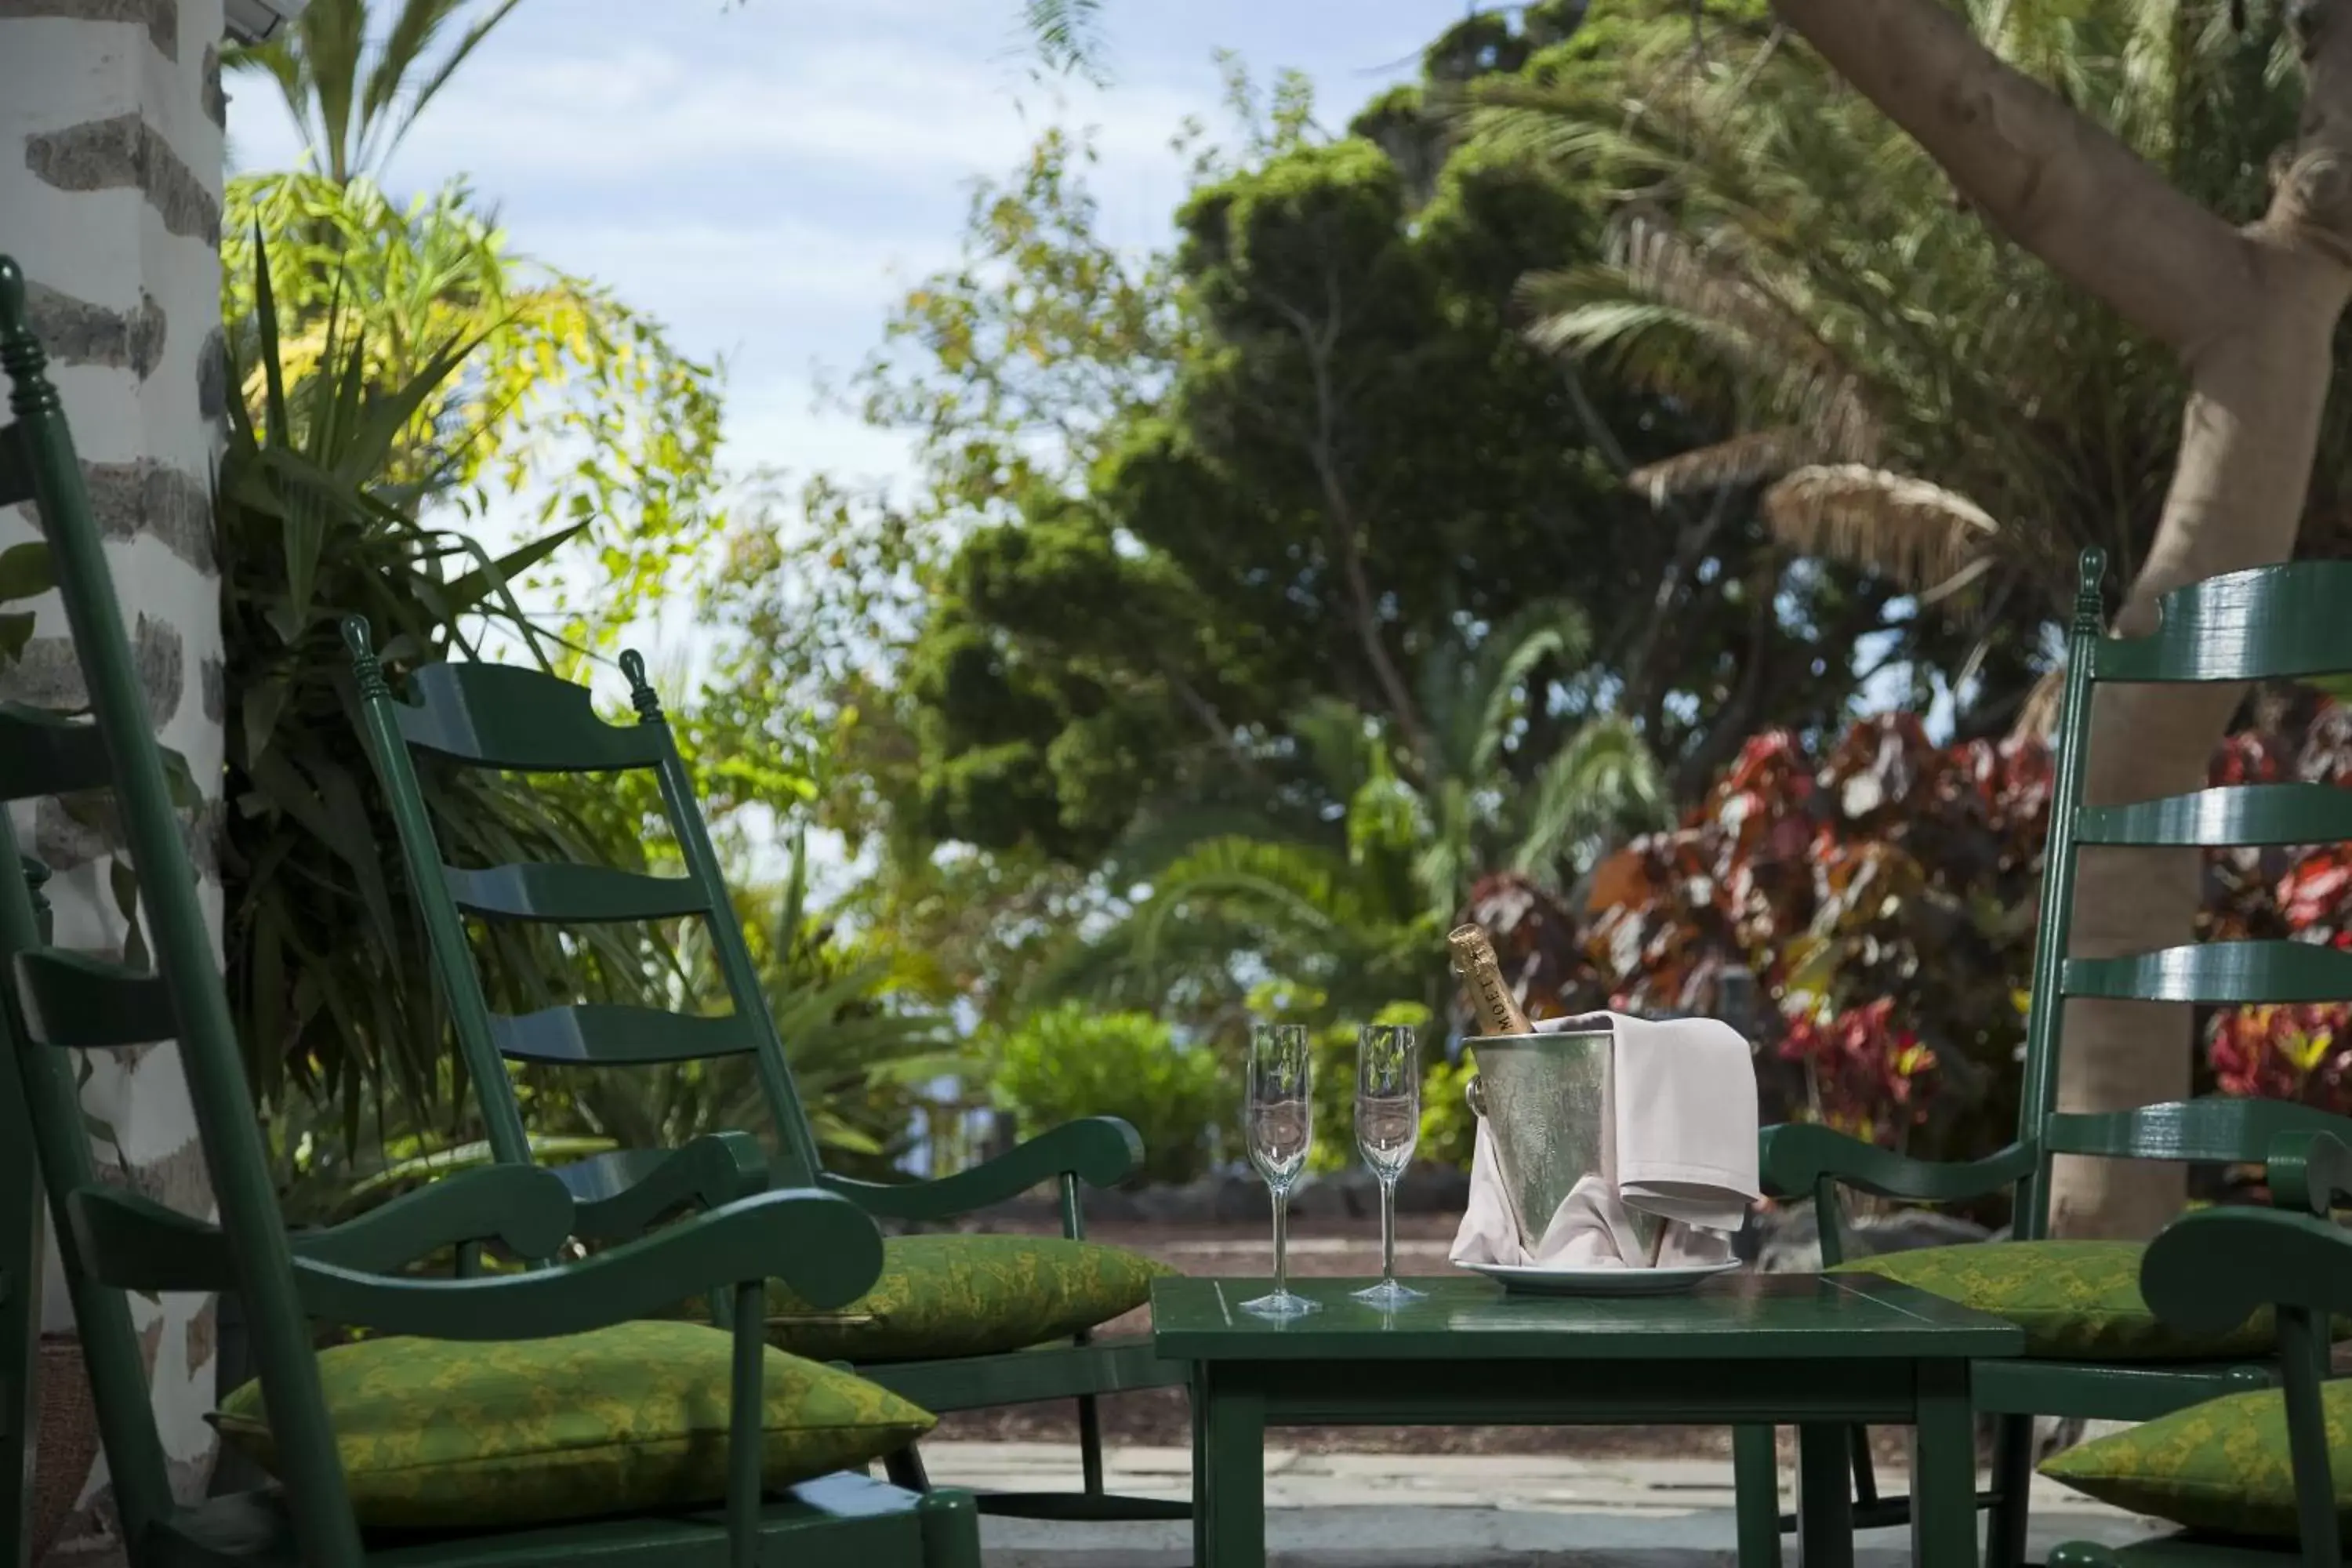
[(15, 631), (25, 572)]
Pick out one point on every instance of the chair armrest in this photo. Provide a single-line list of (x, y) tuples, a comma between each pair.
[(1794, 1157), (2208, 1271), (2307, 1171), (713, 1171), (521, 1207), (1100, 1150), (823, 1246)]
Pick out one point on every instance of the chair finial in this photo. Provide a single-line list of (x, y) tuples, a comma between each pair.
[(12, 295), (2090, 604), (360, 638), (20, 351), (642, 695)]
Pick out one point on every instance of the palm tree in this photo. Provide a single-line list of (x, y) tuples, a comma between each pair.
[(1921, 398), (356, 87), (1356, 896)]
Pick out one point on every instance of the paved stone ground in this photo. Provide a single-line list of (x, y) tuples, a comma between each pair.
[(1433, 1511)]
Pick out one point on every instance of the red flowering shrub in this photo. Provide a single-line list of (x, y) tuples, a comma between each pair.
[(1883, 899)]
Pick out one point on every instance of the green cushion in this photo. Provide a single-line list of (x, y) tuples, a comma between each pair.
[(2222, 1466), (958, 1295), (2074, 1299), (435, 1434)]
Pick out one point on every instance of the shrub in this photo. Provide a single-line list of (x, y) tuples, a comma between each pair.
[(1073, 1061)]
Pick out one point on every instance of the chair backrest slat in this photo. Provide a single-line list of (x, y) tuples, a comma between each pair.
[(2246, 814), (2268, 623), (605, 1034), (47, 753), (79, 1001), (2219, 974), (572, 894), (318, 1499), (515, 720)]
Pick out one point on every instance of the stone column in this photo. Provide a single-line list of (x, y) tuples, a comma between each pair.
[(111, 119)]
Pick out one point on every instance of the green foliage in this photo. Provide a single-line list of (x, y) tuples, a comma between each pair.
[(1927, 401), (328, 977), (1070, 1061), (24, 574), (1356, 909), (565, 394)]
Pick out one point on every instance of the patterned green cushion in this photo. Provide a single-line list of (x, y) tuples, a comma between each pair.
[(958, 1295), (2222, 1466), (2074, 1299), (442, 1435)]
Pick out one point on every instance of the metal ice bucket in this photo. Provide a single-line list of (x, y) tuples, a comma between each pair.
[(1543, 1098)]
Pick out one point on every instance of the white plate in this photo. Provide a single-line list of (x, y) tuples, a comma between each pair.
[(1527, 1280)]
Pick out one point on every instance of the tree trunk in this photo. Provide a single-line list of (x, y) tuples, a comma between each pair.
[(111, 119), (2252, 314)]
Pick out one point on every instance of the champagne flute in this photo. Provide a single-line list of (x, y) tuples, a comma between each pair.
[(1387, 1125), (1279, 1123)]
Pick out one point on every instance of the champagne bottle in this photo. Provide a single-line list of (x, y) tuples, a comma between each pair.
[(1491, 1002)]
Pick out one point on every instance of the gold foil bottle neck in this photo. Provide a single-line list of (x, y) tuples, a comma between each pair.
[(1497, 1012)]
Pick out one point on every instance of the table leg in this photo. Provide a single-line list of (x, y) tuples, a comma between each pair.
[(1756, 1471), (1943, 1470), (1824, 1498), (1232, 1466), (1197, 1395)]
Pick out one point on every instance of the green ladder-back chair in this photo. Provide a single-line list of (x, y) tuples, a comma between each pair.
[(440, 1440), (2095, 1350), (958, 1322), (2256, 1479)]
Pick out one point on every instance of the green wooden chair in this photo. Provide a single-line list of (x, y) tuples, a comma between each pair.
[(551, 1370), (958, 1322), (2095, 1350), (2257, 1480)]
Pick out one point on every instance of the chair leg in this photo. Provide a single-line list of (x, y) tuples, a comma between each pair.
[(1756, 1476), (950, 1526), (1090, 1449), (2012, 1481), (20, 1339), (905, 1469), (1865, 1473)]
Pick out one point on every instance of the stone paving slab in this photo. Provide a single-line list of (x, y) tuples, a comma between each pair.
[(1434, 1510)]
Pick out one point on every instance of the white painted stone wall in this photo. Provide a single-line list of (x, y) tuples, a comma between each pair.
[(111, 121)]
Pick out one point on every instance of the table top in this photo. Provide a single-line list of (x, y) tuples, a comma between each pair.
[(1740, 1317)]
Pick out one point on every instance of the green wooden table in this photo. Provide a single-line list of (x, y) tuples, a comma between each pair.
[(1818, 1353)]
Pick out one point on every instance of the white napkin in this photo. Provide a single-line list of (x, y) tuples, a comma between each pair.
[(1678, 1141)]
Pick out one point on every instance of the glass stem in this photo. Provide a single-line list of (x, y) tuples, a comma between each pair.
[(1388, 1232), (1281, 1242)]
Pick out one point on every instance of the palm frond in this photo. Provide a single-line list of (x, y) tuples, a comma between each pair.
[(1068, 34), (1743, 459), (1905, 530), (1602, 783)]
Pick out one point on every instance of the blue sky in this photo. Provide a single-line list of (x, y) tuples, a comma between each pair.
[(766, 176)]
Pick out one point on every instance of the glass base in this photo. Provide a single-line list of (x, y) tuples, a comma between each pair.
[(1282, 1304), (1388, 1293)]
